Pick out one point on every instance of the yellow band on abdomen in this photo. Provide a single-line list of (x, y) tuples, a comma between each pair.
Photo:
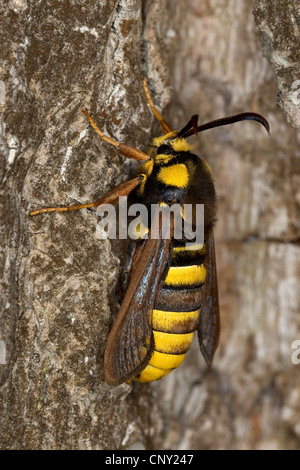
[(175, 322), (151, 373), (170, 348), (166, 361), (185, 275), (172, 343), (169, 353)]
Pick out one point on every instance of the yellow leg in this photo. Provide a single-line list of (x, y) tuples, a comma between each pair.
[(165, 126), (126, 150), (111, 197)]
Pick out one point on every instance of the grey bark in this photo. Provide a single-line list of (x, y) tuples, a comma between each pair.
[(61, 285), (279, 23)]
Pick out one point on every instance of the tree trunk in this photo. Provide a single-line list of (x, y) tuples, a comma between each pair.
[(62, 286)]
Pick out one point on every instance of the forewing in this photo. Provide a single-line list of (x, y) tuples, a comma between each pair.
[(130, 343), (209, 319)]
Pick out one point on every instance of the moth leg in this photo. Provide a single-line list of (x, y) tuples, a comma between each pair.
[(164, 125), (126, 150), (111, 197)]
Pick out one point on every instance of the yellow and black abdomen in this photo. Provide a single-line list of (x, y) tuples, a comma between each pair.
[(176, 311)]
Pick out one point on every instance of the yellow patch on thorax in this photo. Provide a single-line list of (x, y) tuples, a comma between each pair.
[(174, 175)]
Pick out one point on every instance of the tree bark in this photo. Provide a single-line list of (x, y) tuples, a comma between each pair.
[(62, 286), (279, 26)]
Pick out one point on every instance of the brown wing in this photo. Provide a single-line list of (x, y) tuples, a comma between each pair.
[(130, 343), (209, 319)]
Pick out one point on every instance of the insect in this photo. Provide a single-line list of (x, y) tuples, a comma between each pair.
[(172, 288)]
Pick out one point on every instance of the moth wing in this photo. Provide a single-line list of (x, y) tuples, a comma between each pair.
[(130, 343), (209, 318)]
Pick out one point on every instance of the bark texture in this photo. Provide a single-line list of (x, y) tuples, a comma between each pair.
[(61, 285), (279, 24)]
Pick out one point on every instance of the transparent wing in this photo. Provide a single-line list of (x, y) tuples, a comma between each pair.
[(209, 319), (130, 343)]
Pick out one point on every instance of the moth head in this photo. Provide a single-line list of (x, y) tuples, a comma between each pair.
[(168, 146)]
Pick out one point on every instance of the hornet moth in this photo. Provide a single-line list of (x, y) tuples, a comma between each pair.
[(172, 291)]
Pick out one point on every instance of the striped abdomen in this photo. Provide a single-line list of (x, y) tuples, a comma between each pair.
[(176, 312)]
